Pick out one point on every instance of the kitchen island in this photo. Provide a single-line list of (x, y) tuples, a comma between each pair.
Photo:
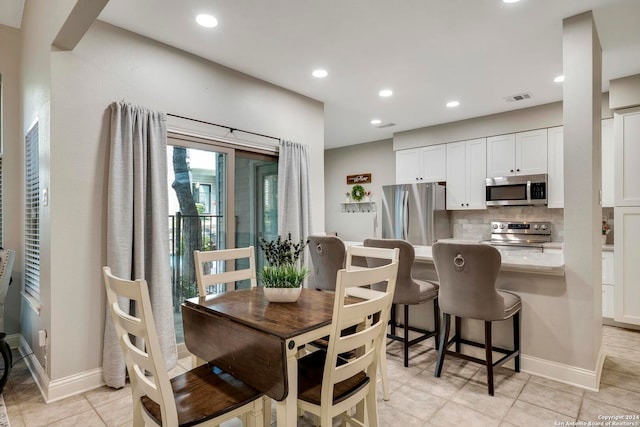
[(547, 331), (549, 261)]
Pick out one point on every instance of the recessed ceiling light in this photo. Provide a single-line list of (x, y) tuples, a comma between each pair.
[(376, 121), (559, 79), (452, 104), (207, 21), (510, 1), (320, 74), (385, 93)]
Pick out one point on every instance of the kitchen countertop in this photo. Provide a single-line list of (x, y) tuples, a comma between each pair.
[(551, 262), (515, 260)]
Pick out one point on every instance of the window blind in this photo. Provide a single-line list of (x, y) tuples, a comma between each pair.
[(32, 214)]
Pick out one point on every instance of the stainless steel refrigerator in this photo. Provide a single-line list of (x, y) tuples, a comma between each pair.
[(415, 212)]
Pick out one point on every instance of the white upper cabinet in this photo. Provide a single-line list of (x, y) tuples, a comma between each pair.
[(407, 166), (501, 155), (424, 164), (555, 184), (523, 153), (466, 174), (608, 163), (627, 153)]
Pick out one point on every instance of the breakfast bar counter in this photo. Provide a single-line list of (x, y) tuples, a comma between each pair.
[(543, 262)]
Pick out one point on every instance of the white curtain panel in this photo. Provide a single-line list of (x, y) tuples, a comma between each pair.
[(137, 225), (294, 200)]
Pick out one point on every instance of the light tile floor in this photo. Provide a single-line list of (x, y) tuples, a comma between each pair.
[(458, 398)]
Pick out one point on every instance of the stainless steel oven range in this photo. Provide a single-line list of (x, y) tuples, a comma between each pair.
[(520, 234)]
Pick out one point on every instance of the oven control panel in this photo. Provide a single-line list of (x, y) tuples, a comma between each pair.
[(520, 227)]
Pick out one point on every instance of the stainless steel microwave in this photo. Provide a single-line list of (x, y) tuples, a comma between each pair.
[(520, 190)]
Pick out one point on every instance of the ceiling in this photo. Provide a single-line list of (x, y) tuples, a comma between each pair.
[(428, 52)]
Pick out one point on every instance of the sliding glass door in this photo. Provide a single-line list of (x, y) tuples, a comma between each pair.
[(219, 197)]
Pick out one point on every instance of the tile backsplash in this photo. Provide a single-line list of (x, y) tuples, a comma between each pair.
[(475, 225)]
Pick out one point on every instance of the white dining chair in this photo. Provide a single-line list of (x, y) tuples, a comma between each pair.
[(202, 396), (362, 252), (208, 262), (328, 384)]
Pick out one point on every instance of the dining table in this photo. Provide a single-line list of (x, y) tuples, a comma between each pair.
[(258, 341)]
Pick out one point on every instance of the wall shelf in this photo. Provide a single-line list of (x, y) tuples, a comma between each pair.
[(358, 207)]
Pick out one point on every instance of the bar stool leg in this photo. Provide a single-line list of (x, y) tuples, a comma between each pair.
[(393, 319), (516, 339), (458, 333), (436, 322), (489, 355), (406, 336), (444, 337)]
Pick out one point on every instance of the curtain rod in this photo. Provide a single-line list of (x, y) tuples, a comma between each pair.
[(231, 129)]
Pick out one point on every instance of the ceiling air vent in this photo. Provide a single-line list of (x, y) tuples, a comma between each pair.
[(519, 97), (386, 125)]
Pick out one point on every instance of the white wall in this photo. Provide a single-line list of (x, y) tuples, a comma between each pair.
[(11, 168), (524, 119), (625, 92), (40, 23), (376, 158), (75, 90)]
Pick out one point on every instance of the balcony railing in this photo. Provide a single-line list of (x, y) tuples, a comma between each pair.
[(182, 267)]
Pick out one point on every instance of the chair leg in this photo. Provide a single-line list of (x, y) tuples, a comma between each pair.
[(371, 408), (436, 322), (383, 370), (406, 336), (489, 355), (266, 410), (516, 339), (458, 334), (444, 337)]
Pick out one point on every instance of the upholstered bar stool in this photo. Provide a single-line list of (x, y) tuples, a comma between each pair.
[(409, 291), (467, 274), (327, 256)]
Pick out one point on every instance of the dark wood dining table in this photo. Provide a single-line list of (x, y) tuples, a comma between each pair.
[(257, 341)]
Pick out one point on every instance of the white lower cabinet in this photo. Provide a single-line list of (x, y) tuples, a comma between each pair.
[(607, 284), (627, 267)]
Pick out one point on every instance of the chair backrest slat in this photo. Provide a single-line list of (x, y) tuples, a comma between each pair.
[(229, 277)]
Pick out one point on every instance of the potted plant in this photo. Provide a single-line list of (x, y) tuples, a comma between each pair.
[(283, 277), (606, 229)]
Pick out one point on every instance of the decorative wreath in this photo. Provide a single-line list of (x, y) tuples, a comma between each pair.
[(357, 192)]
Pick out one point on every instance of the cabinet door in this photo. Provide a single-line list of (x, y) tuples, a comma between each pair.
[(608, 161), (407, 166), (456, 175), (476, 153), (501, 154), (531, 152), (555, 190), (607, 268), (434, 163), (627, 139), (627, 267), (607, 301)]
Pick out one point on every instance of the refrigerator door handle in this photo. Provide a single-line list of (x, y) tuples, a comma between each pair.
[(405, 215)]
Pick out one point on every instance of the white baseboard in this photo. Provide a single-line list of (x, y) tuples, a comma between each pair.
[(572, 375), (53, 390), (13, 340)]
